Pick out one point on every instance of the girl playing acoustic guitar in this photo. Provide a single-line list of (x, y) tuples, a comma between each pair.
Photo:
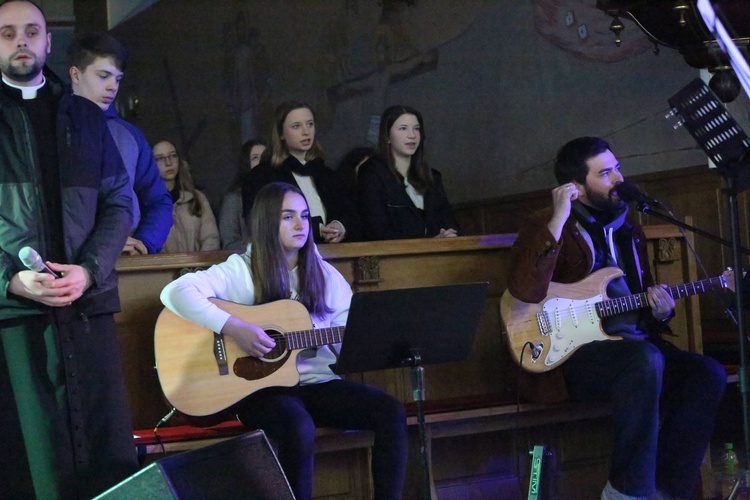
[(282, 262)]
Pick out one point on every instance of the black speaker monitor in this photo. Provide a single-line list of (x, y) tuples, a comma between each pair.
[(244, 467)]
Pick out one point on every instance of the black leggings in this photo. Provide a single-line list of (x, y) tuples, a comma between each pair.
[(289, 416)]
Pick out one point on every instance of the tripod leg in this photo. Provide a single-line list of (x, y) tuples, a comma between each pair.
[(417, 380)]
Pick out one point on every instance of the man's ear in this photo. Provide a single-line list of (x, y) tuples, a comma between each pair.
[(581, 188), (75, 74)]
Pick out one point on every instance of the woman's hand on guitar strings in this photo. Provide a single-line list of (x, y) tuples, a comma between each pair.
[(249, 337)]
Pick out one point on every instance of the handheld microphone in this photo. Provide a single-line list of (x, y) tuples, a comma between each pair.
[(628, 192), (31, 259)]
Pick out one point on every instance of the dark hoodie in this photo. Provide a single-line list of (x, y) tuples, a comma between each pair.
[(613, 247)]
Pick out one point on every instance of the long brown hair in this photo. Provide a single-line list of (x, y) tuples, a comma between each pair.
[(279, 150), (185, 181), (243, 162), (419, 174), (267, 263)]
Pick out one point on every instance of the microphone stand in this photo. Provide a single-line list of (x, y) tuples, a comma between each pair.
[(730, 178), (731, 191), (726, 144), (645, 208)]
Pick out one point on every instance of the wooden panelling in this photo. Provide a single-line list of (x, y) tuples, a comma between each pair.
[(695, 192)]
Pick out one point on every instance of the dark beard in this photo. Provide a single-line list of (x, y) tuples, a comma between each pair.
[(22, 73), (606, 203)]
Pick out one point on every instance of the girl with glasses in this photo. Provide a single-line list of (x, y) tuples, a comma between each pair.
[(193, 224)]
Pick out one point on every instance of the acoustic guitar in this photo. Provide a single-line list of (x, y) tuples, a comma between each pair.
[(545, 334), (203, 373)]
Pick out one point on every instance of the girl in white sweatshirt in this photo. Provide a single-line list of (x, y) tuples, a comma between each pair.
[(282, 262)]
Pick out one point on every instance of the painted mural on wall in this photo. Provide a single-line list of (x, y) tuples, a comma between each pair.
[(501, 84), (367, 62), (577, 27), (364, 47), (248, 81)]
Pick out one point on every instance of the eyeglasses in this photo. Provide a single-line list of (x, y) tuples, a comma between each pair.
[(172, 157)]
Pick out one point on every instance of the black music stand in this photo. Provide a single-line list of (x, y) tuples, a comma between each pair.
[(411, 327), (727, 145)]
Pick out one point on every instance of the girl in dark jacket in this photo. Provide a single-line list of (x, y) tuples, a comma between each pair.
[(399, 195), (296, 158)]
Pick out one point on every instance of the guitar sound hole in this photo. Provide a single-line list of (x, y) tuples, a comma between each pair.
[(279, 350)]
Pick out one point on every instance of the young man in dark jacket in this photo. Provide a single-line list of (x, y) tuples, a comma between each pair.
[(97, 64), (664, 400), (65, 193)]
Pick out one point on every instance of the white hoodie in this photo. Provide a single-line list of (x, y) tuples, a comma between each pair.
[(231, 280)]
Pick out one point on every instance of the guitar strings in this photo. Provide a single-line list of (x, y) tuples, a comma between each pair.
[(728, 311), (282, 341), (619, 305)]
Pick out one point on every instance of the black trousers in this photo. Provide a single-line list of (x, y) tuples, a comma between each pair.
[(63, 407), (290, 415), (664, 403)]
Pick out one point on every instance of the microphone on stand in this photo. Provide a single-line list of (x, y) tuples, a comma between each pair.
[(32, 260), (629, 192)]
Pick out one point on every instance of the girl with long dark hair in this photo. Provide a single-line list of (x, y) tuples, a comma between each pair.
[(194, 226), (399, 195), (282, 262), (232, 226)]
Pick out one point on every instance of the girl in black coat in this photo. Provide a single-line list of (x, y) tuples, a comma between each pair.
[(399, 195), (297, 159)]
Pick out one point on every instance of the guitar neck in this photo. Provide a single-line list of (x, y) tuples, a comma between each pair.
[(304, 339), (619, 305)]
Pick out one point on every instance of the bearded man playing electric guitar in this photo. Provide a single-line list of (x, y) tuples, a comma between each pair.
[(664, 399)]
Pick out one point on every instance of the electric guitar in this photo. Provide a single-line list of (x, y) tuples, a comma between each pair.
[(542, 336), (203, 373)]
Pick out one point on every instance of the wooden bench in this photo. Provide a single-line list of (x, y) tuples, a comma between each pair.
[(478, 438), (181, 438), (473, 415), (444, 420)]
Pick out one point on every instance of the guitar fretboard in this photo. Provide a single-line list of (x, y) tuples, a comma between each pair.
[(304, 339), (619, 305)]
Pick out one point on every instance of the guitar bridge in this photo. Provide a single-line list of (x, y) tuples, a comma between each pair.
[(220, 353), (542, 319)]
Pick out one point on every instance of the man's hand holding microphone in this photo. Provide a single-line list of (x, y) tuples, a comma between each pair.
[(55, 285)]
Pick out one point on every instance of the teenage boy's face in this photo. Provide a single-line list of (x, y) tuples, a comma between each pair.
[(98, 83)]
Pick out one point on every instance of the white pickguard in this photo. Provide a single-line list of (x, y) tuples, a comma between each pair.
[(571, 323)]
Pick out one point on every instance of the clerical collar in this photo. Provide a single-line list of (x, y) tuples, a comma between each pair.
[(26, 92)]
